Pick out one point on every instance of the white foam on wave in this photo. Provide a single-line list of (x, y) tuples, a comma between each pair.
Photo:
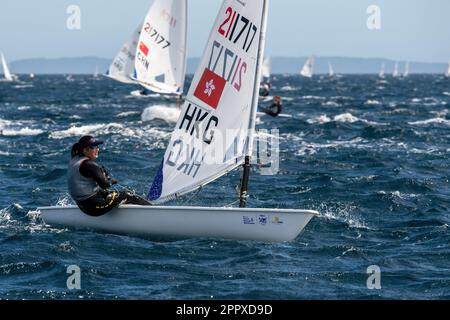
[(309, 148), (373, 102), (144, 133), (169, 114), (23, 108), (287, 88), (126, 114), (331, 104), (21, 132), (445, 93), (313, 98), (342, 212), (431, 121), (22, 86), (343, 118)]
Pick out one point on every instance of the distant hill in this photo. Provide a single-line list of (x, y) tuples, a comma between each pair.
[(280, 65)]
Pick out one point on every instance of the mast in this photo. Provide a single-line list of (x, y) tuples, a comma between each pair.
[(251, 125)]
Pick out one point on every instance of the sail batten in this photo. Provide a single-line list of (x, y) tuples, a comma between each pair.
[(212, 135)]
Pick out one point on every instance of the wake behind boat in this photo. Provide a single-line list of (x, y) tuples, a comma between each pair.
[(220, 105)]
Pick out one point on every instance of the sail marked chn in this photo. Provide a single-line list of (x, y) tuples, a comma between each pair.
[(160, 63), (214, 132)]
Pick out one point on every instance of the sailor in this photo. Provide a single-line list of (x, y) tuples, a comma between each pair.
[(89, 182), (264, 91), (275, 108)]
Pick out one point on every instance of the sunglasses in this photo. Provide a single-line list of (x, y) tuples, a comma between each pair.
[(93, 147)]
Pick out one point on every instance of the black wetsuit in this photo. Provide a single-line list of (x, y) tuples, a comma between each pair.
[(104, 200), (273, 110)]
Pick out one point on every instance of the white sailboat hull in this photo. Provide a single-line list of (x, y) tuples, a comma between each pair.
[(161, 222)]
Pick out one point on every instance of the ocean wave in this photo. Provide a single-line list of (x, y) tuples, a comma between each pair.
[(21, 132), (169, 114), (111, 128), (373, 102), (127, 114), (23, 108), (431, 121), (287, 88), (343, 213), (344, 118)]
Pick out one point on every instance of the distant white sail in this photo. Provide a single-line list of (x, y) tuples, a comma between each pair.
[(448, 70), (308, 68), (266, 68), (406, 73), (160, 63), (381, 73), (122, 67), (330, 70), (7, 74), (215, 130), (396, 72)]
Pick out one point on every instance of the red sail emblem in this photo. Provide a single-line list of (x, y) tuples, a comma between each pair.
[(210, 88)]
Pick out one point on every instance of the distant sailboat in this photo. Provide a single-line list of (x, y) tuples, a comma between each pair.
[(6, 73), (308, 68), (396, 72), (330, 70), (96, 72), (266, 70), (448, 70), (160, 62), (264, 80), (381, 73), (406, 73)]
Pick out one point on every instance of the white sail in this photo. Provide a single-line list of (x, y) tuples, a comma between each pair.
[(122, 67), (160, 63), (396, 72), (308, 68), (381, 73), (7, 74), (214, 131), (406, 73), (266, 68), (448, 70), (330, 70)]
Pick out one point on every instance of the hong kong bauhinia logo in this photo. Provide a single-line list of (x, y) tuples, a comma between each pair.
[(210, 87)]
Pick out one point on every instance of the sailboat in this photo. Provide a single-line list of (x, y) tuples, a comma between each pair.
[(382, 72), (160, 62), (6, 73), (308, 68), (448, 70), (406, 73), (330, 70), (223, 97), (96, 72), (121, 69), (264, 81), (396, 72)]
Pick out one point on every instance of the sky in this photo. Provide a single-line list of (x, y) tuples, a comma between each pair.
[(414, 30)]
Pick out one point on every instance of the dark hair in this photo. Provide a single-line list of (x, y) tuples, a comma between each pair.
[(76, 150)]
